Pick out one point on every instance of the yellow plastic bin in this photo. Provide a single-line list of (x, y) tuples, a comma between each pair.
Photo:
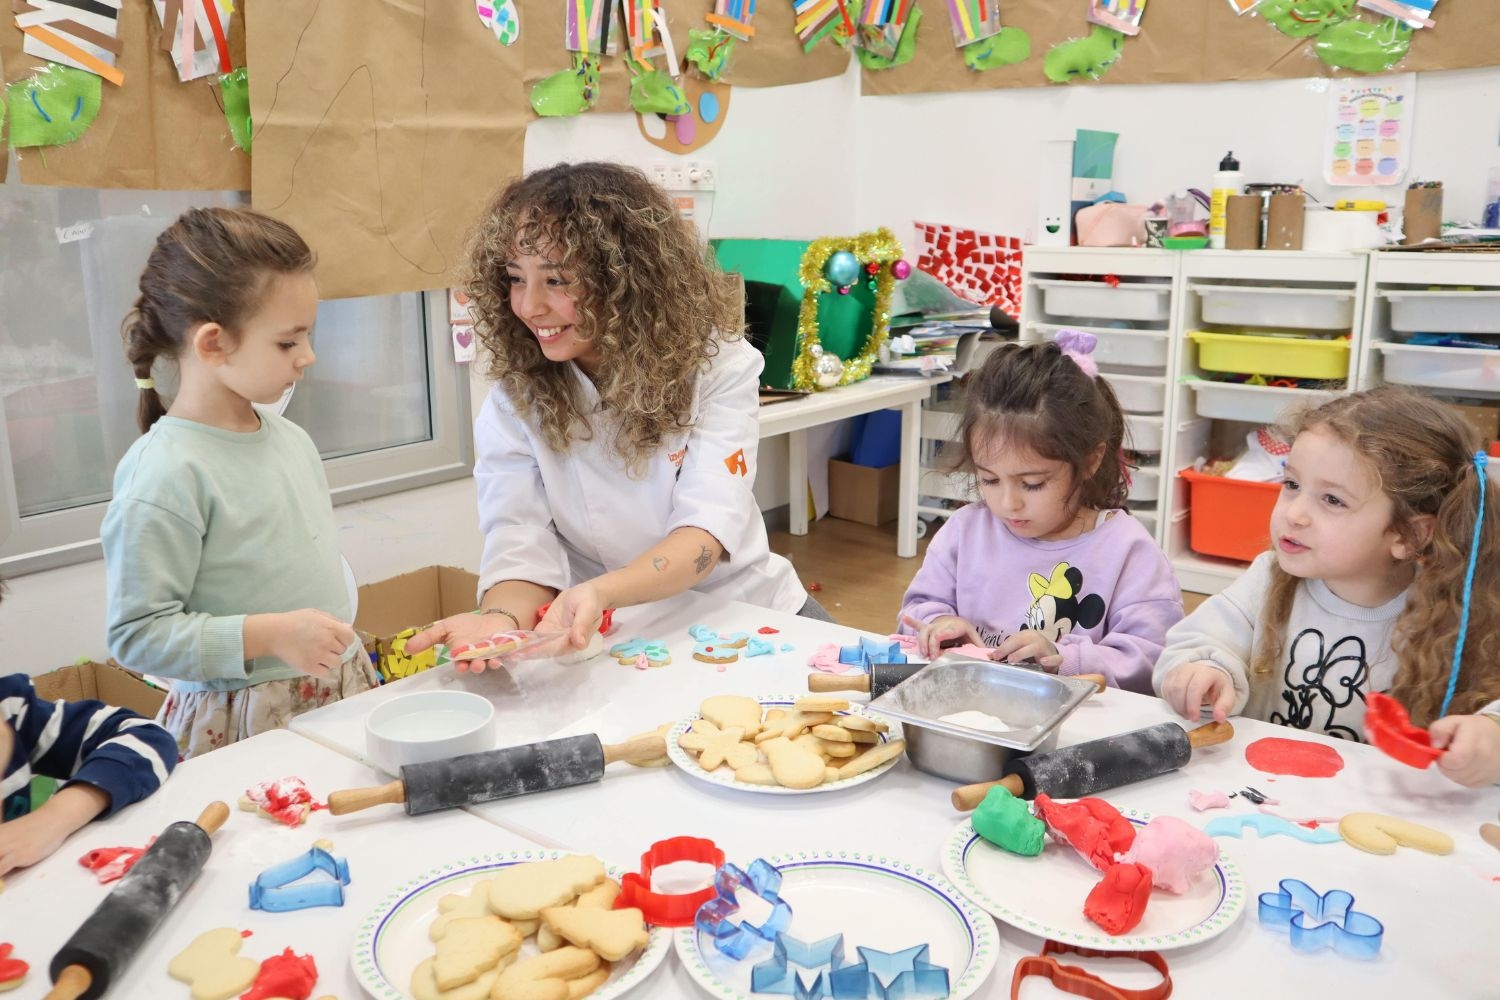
[(1251, 354)]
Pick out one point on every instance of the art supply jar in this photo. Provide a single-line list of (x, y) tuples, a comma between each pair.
[(1242, 222), (1284, 221), (1422, 218)]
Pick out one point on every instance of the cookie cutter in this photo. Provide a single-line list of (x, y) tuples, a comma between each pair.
[(606, 620), (870, 651), (776, 976), (1082, 983), (1315, 921), (890, 975), (716, 917), (1391, 730), (280, 888), (663, 909)]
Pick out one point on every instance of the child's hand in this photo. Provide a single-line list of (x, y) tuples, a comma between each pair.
[(31, 838), (1028, 644), (313, 641), (1193, 685), (462, 630), (932, 635), (1472, 743)]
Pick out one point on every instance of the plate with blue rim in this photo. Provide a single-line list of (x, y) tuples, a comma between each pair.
[(875, 902), (393, 939), (1043, 895)]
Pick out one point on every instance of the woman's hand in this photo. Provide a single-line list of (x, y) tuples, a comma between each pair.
[(1193, 686), (1472, 745), (578, 611), (932, 635)]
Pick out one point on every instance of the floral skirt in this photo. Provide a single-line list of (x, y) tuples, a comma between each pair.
[(206, 720)]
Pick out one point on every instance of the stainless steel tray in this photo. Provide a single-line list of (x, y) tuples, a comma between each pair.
[(1035, 703)]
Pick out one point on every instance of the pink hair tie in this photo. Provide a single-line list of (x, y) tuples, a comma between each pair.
[(1080, 347)]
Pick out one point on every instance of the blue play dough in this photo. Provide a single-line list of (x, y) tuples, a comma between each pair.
[(708, 108), (1268, 826)]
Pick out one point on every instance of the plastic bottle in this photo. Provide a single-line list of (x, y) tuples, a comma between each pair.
[(1227, 181)]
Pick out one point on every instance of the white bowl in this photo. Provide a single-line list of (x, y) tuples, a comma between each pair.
[(428, 725)]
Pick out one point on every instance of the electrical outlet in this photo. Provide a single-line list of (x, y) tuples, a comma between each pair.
[(658, 172), (701, 175)]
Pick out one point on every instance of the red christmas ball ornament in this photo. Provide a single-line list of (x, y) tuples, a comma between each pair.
[(873, 267)]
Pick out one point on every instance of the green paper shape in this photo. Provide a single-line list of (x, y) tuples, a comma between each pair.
[(709, 50), (53, 106), (905, 49), (234, 87), (656, 93), (1303, 18), (1363, 46), (1084, 57), (567, 92), (1011, 46)]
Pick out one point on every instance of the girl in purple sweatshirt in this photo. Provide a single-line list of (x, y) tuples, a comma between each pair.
[(1047, 567)]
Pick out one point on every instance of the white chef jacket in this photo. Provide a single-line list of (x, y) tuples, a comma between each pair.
[(557, 519)]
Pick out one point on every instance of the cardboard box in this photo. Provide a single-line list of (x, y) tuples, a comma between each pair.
[(860, 493), (392, 611), (106, 682), (1484, 419)]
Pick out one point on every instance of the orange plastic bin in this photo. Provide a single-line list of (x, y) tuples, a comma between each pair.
[(1231, 518)]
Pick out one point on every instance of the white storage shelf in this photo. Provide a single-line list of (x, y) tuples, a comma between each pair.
[(1126, 300), (1444, 311), (1460, 370), (1137, 393)]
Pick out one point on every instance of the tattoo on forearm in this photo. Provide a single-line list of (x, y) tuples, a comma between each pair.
[(660, 563), (704, 560)]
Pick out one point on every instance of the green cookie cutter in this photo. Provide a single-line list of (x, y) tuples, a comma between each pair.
[(1364, 46), (1091, 56), (53, 106), (1011, 46)]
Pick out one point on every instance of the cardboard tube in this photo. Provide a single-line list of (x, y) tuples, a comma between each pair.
[(1242, 225), (1424, 214), (1284, 221)]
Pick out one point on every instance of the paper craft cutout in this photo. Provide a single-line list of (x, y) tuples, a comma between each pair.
[(1315, 921), (735, 17), (1009, 47), (590, 27), (83, 34), (1415, 13), (234, 88), (501, 18), (972, 20), (1123, 16), (196, 33), (1091, 56), (654, 93), (709, 50), (890, 45), (1364, 47), (716, 917), (648, 33), (1303, 18), (982, 268), (567, 92), (816, 19), (54, 105)]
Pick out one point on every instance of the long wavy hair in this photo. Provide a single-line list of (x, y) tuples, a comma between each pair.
[(1422, 453), (646, 292)]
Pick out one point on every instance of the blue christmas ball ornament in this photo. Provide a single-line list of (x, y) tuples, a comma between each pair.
[(842, 268)]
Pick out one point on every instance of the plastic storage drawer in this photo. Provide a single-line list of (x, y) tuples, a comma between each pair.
[(1144, 484), (1095, 299), (1274, 308), (1467, 369), (1141, 349), (1143, 434), (1291, 357), (1445, 312), (1261, 404), (1137, 394), (1231, 518)]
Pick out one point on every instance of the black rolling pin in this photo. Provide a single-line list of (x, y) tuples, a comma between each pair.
[(1099, 765), (499, 774), (105, 943), (881, 678)]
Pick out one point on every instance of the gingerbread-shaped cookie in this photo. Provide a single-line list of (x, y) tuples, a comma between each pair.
[(522, 892), (716, 746)]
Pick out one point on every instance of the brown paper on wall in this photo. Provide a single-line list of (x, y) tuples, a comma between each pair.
[(153, 133), (381, 132), (1182, 41), (773, 58)]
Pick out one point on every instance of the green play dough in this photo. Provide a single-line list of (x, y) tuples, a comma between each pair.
[(1006, 822), (709, 50), (1084, 57), (1363, 46), (905, 49), (235, 88), (1303, 18), (567, 92), (654, 93), (1011, 46), (52, 106)]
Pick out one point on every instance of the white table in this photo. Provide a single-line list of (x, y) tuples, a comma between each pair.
[(42, 906), (880, 393), (1438, 912)]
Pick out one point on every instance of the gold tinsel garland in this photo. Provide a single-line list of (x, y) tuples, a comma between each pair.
[(878, 247)]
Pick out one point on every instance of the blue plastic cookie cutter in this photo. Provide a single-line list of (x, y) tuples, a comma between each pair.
[(1322, 921), (777, 977), (716, 917), (890, 975), (280, 888), (870, 651)]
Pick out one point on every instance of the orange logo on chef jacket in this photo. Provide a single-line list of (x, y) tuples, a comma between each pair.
[(736, 463), (676, 457)]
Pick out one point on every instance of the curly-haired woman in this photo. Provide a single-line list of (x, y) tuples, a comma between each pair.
[(616, 452)]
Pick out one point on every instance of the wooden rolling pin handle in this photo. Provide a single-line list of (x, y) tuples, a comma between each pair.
[(640, 750), (355, 799), (72, 984), (1099, 681), (820, 683), (213, 817), (967, 798), (1211, 734)]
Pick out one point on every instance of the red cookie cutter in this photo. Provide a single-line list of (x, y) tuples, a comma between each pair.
[(606, 621), (1082, 983), (1390, 729), (666, 909)]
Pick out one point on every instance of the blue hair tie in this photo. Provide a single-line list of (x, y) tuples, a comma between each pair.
[(1481, 463)]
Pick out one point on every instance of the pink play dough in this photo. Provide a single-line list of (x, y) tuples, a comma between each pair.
[(1175, 852)]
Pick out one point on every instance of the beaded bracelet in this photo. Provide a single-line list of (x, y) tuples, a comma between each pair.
[(499, 611)]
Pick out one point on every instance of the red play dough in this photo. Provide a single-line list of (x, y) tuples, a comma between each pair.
[(1118, 902), (285, 975), (1092, 827), (1300, 758)]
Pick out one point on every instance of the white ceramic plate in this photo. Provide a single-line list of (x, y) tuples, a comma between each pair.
[(725, 778), (1044, 895), (875, 902), (393, 939)]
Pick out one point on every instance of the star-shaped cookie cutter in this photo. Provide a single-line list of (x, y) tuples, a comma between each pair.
[(776, 975), (280, 888), (669, 909), (716, 917), (1322, 921), (870, 651), (890, 975)]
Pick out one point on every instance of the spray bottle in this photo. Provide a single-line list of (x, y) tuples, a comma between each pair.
[(1227, 181)]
